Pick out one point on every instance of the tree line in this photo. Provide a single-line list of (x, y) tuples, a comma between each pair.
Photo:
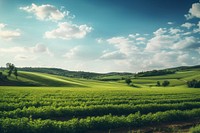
[(154, 73)]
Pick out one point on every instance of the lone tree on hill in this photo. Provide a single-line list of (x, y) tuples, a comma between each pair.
[(11, 69), (128, 81), (165, 83), (158, 83)]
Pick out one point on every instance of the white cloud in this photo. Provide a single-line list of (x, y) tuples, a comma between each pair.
[(8, 34), (172, 39), (68, 31), (160, 31), (72, 53), (37, 49), (99, 40), (165, 58), (161, 41), (81, 53), (40, 48), (119, 40), (194, 11), (140, 39), (188, 25), (116, 55), (186, 59), (45, 12), (197, 29), (12, 50), (170, 23), (123, 44), (187, 43), (187, 33), (2, 25), (174, 31), (183, 59), (133, 35), (198, 50)]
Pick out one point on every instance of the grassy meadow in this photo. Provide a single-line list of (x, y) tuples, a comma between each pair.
[(52, 103)]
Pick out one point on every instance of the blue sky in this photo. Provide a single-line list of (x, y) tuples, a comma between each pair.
[(100, 36)]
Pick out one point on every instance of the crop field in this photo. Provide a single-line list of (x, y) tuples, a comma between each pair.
[(97, 106), (36, 109)]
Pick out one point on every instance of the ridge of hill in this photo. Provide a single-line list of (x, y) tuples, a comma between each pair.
[(112, 76), (58, 77)]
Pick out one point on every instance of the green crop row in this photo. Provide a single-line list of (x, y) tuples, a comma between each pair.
[(45, 112), (8, 105), (21, 125)]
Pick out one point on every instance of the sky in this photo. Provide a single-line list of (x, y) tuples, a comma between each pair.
[(100, 35)]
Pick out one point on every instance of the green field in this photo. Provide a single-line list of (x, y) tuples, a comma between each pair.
[(51, 103)]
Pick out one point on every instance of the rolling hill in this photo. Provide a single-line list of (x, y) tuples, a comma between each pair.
[(40, 79), (53, 77)]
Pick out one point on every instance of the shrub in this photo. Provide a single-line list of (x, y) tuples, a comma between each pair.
[(193, 84), (165, 83)]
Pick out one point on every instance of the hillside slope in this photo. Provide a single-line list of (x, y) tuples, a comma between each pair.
[(40, 79), (179, 78)]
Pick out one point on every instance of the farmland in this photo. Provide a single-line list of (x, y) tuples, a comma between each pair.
[(52, 103)]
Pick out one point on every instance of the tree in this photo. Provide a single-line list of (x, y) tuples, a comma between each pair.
[(15, 72), (193, 84), (165, 83), (10, 68), (158, 83), (128, 81)]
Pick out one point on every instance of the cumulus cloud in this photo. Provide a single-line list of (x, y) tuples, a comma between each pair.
[(174, 31), (99, 40), (173, 47), (2, 25), (187, 33), (188, 25), (72, 53), (194, 11), (45, 12), (81, 53), (123, 44), (37, 49), (167, 59), (160, 31), (161, 40), (170, 23), (164, 58), (8, 34), (12, 50), (40, 48), (198, 50), (116, 55), (140, 39), (187, 43), (196, 30), (68, 31), (133, 35)]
